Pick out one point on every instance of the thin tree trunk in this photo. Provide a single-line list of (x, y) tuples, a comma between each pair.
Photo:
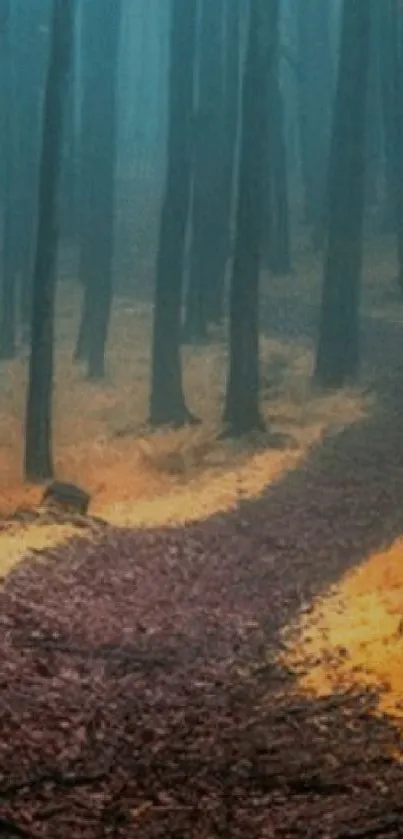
[(205, 258), (38, 440), (338, 346), (232, 79), (280, 241), (167, 402), (391, 50), (277, 244), (31, 50), (397, 87), (241, 413), (315, 89), (102, 20), (374, 139), (9, 267), (389, 58)]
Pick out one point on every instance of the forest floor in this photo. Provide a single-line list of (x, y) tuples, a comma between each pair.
[(233, 664)]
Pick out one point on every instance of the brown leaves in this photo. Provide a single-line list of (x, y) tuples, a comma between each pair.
[(139, 693)]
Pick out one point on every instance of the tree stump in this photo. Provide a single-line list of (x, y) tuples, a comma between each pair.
[(66, 498)]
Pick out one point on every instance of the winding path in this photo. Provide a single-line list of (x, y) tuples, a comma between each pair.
[(138, 685)]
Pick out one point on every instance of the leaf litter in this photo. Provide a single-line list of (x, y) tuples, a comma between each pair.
[(140, 683), (137, 477), (143, 685)]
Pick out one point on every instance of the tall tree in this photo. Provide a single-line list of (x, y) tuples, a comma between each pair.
[(9, 272), (390, 17), (397, 87), (338, 346), (101, 29), (374, 114), (386, 22), (167, 402), (38, 445), (70, 169), (315, 89), (205, 262), (229, 145), (241, 413), (277, 245), (30, 22)]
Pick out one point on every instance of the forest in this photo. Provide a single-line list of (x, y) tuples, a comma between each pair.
[(201, 457)]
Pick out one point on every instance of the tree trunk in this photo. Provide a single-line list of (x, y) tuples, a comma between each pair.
[(9, 272), (338, 346), (69, 175), (279, 240), (205, 257), (389, 68), (391, 48), (277, 245), (315, 89), (374, 135), (232, 79), (31, 49), (241, 414), (167, 403), (38, 444), (101, 21), (397, 88)]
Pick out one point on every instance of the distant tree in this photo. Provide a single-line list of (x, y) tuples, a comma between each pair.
[(9, 268), (397, 87), (391, 59), (374, 149), (229, 145), (315, 93), (241, 414), (214, 158), (70, 222), (38, 445), (30, 23), (276, 241), (388, 42), (338, 345), (167, 402), (101, 22), (205, 257)]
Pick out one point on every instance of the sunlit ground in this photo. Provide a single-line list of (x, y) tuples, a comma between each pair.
[(138, 477), (15, 542), (353, 637), (101, 442)]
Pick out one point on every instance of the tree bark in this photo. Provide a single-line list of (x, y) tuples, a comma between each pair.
[(315, 90), (205, 257), (38, 442), (31, 50), (167, 402), (397, 87), (389, 68), (338, 346), (241, 413), (9, 272), (374, 133), (232, 89), (277, 244), (101, 21), (391, 49)]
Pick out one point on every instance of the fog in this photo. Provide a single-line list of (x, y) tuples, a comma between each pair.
[(201, 459)]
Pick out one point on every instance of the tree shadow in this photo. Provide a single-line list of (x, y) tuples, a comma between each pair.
[(259, 755), (327, 516)]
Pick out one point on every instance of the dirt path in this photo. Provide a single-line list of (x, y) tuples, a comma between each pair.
[(138, 681)]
